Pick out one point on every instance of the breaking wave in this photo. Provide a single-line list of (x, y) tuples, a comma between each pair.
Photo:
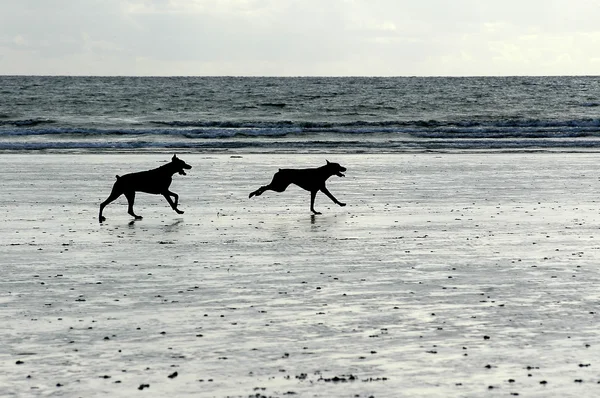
[(351, 136)]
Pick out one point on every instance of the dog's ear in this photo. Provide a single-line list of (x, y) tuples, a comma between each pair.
[(174, 157), (327, 161)]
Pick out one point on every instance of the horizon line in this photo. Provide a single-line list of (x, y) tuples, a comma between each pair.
[(295, 76)]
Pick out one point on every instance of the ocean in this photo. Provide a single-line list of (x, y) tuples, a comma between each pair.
[(300, 114)]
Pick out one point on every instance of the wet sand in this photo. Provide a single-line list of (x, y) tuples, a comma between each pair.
[(447, 275)]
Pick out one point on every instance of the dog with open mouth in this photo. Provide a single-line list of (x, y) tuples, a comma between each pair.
[(155, 181), (312, 180)]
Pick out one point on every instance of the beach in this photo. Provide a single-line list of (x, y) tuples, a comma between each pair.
[(446, 275)]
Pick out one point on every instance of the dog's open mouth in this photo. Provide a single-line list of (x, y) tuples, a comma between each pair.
[(182, 172), (340, 174)]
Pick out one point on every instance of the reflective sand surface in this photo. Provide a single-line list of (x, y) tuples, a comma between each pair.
[(447, 275)]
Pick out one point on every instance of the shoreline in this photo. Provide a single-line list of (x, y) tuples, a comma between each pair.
[(296, 151)]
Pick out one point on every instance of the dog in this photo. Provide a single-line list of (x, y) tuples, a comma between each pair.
[(312, 180), (155, 181)]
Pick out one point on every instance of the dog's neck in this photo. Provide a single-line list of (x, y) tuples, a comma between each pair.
[(169, 168), (326, 171)]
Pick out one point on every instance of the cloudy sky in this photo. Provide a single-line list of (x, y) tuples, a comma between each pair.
[(300, 37)]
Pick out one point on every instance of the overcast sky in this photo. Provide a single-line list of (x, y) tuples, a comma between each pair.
[(300, 37)]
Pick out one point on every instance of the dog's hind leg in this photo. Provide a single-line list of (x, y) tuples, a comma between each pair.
[(278, 184), (130, 195), (113, 195), (259, 191), (167, 196)]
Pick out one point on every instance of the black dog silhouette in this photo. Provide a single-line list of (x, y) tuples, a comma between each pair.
[(155, 181), (313, 180)]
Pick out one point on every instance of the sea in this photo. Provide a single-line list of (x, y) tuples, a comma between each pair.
[(299, 114)]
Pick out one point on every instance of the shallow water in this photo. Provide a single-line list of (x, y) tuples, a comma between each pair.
[(446, 275)]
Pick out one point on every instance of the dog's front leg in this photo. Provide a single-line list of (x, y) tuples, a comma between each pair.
[(173, 205), (313, 194), (330, 196), (174, 195)]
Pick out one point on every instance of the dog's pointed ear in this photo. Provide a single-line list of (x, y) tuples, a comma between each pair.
[(327, 161), (174, 157)]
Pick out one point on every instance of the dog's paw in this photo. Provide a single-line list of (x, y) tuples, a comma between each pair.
[(101, 219), (341, 204), (179, 211)]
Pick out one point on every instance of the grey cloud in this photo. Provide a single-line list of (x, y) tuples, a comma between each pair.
[(382, 36)]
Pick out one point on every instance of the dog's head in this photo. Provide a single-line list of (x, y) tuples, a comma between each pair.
[(180, 165), (335, 168)]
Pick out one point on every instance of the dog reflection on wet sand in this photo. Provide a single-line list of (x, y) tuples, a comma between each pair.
[(312, 180)]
